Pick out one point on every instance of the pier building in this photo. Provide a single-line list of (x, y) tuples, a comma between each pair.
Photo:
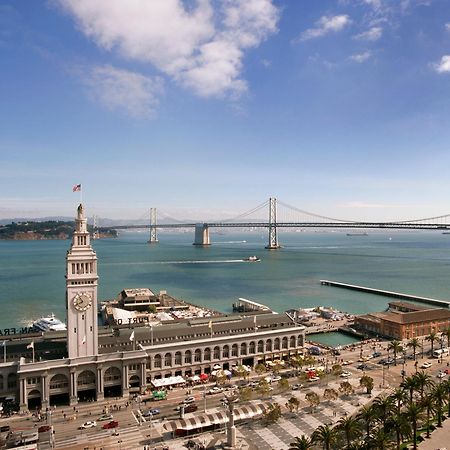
[(86, 362)]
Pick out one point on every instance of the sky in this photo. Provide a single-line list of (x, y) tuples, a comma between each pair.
[(206, 108)]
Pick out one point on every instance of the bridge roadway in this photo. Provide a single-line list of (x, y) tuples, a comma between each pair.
[(341, 225)]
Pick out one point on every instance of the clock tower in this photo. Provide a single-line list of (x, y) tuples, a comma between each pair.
[(81, 292)]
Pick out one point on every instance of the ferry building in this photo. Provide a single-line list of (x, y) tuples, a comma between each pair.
[(87, 363)]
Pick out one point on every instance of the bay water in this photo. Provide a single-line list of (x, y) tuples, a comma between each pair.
[(32, 282)]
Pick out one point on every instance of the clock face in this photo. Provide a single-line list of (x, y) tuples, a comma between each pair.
[(82, 301)]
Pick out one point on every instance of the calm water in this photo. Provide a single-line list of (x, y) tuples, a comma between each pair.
[(333, 339), (32, 273)]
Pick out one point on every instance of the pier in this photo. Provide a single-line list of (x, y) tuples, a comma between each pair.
[(431, 301), (244, 305)]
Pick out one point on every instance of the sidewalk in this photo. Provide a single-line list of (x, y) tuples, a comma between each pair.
[(439, 438)]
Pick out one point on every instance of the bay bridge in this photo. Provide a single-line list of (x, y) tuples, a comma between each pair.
[(295, 218)]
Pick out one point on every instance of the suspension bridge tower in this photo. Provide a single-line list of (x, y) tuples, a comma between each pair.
[(273, 237), (153, 236)]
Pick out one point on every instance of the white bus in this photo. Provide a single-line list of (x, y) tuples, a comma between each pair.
[(440, 352)]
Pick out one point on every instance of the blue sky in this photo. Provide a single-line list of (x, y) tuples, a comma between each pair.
[(206, 108)]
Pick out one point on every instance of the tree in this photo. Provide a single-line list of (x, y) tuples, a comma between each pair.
[(413, 414), (414, 343), (410, 385), (152, 309), (301, 443), (350, 427), (283, 385), (221, 377), (336, 369), (330, 394), (297, 361), (324, 435), (273, 413), (380, 440), (277, 366), (398, 397), (240, 371), (446, 385), (446, 333), (400, 425), (396, 347), (263, 387), (260, 368), (245, 394), (423, 381), (366, 382), (368, 415), (427, 403), (384, 406), (438, 394), (313, 399), (432, 338), (293, 403), (346, 389)]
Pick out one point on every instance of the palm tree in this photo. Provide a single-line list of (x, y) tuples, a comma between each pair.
[(432, 337), (428, 404), (446, 385), (424, 381), (414, 343), (384, 406), (414, 413), (301, 443), (410, 385), (396, 347), (446, 333), (324, 435), (438, 394), (400, 425), (368, 415), (350, 427), (398, 397), (380, 440)]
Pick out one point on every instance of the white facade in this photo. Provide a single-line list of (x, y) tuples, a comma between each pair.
[(81, 292)]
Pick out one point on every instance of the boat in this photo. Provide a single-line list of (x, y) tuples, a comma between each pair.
[(50, 323), (357, 234), (252, 259)]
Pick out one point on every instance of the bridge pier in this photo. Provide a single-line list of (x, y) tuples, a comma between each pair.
[(273, 237), (201, 235), (153, 236)]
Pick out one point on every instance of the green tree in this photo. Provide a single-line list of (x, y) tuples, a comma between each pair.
[(330, 394), (424, 381), (432, 338), (313, 399), (324, 435), (350, 427), (260, 368), (414, 343), (413, 414), (221, 377), (263, 387), (336, 369), (293, 404), (398, 397), (346, 389), (366, 382), (438, 394), (273, 413), (301, 443), (283, 385), (410, 384), (245, 394), (398, 424), (368, 415), (384, 406), (380, 440), (428, 405), (396, 347), (240, 371)]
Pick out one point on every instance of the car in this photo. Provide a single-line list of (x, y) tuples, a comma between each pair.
[(345, 374), (88, 424), (296, 387), (376, 354), (44, 428), (441, 375), (312, 379), (276, 378), (105, 417), (191, 408), (151, 412), (425, 365), (362, 366), (112, 424), (189, 400), (214, 390)]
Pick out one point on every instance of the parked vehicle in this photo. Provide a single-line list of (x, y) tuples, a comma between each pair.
[(312, 379), (43, 428), (296, 387), (376, 354), (191, 408), (88, 424), (425, 365), (112, 424), (105, 417), (345, 374), (189, 400), (439, 353)]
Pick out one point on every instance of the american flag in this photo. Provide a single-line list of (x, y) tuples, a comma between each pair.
[(76, 188)]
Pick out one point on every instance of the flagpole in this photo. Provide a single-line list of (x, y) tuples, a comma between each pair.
[(4, 351), (33, 351)]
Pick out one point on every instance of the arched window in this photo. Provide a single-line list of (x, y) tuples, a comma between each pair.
[(251, 348), (112, 374), (243, 348), (292, 342), (284, 343), (59, 381), (207, 354), (158, 361), (167, 360), (277, 344), (269, 345), (300, 341), (178, 358), (85, 378), (188, 357), (216, 352), (260, 347), (234, 350), (197, 355), (226, 351)]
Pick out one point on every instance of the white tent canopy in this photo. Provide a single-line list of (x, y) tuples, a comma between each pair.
[(169, 381)]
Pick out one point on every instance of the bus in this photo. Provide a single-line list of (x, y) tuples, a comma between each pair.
[(439, 353)]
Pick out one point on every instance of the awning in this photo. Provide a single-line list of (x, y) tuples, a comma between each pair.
[(217, 366), (217, 418), (194, 378), (203, 376), (169, 381)]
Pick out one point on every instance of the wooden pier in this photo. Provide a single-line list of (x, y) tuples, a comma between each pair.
[(431, 301), (244, 305)]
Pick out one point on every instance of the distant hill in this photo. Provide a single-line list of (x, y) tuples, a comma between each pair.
[(49, 229)]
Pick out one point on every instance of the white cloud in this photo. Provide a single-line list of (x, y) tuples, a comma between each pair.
[(201, 46), (443, 66), (373, 34), (361, 57), (447, 26), (120, 89), (325, 25)]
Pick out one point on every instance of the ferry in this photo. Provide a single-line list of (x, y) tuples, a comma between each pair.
[(357, 234), (252, 259), (50, 323)]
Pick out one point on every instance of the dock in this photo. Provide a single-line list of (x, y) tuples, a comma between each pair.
[(244, 305), (431, 301)]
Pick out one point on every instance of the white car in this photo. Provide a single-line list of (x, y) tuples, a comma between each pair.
[(105, 417), (88, 424), (189, 400), (312, 379), (441, 375), (425, 365), (215, 390), (276, 378), (345, 374)]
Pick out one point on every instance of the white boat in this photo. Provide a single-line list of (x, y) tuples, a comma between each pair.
[(50, 323), (252, 259)]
